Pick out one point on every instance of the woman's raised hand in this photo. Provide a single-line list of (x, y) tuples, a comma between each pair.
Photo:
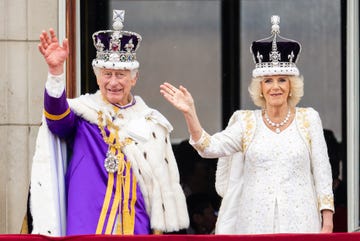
[(54, 54), (180, 97), (183, 101)]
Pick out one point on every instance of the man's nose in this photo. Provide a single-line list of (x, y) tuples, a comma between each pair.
[(113, 77)]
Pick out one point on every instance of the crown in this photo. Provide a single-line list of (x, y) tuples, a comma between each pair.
[(116, 49), (275, 55)]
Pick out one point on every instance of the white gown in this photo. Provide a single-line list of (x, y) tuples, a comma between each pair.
[(277, 180), (283, 184)]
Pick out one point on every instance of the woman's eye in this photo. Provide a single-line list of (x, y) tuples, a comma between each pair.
[(267, 80), (282, 80)]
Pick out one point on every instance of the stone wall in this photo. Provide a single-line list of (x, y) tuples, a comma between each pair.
[(22, 76)]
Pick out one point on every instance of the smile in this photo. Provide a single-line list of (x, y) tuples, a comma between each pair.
[(114, 90)]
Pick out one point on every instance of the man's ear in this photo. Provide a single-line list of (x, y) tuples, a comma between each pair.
[(134, 80)]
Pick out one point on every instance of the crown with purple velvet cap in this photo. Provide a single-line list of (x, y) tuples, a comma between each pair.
[(116, 49), (275, 55)]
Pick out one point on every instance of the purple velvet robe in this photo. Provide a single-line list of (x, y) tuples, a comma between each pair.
[(86, 178)]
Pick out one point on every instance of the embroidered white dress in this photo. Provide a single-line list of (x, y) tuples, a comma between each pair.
[(283, 184)]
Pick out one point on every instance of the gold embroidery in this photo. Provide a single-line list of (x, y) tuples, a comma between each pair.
[(304, 124), (248, 128), (204, 144), (327, 201)]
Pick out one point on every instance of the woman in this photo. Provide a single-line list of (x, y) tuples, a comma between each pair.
[(273, 172)]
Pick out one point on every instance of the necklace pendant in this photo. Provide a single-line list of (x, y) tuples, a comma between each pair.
[(111, 163), (277, 125)]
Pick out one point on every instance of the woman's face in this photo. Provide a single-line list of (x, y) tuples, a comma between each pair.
[(275, 90), (115, 85)]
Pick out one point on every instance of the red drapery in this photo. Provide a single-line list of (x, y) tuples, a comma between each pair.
[(260, 237)]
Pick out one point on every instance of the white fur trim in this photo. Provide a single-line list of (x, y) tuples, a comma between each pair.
[(275, 71), (115, 64), (47, 191)]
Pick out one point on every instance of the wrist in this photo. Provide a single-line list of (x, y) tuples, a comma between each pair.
[(56, 70)]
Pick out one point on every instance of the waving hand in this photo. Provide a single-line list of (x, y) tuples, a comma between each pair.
[(180, 97), (182, 100), (54, 54)]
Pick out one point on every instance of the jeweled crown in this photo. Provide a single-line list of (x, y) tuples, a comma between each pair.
[(116, 49), (275, 55)]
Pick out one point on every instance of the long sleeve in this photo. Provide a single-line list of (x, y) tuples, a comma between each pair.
[(226, 142), (320, 162), (59, 117)]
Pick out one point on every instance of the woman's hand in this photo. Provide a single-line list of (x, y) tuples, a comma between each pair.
[(54, 54), (182, 100), (180, 97), (327, 221)]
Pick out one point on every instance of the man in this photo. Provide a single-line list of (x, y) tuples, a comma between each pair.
[(121, 176)]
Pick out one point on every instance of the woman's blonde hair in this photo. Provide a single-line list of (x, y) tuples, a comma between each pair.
[(296, 90)]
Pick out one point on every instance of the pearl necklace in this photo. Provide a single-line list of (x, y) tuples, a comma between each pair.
[(277, 125)]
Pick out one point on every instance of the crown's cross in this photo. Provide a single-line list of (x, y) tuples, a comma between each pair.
[(99, 45), (118, 18), (119, 15), (129, 46)]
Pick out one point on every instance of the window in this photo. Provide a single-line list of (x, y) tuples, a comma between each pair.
[(204, 45)]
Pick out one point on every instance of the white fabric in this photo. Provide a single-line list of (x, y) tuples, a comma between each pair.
[(55, 85), (47, 190), (280, 170), (282, 177), (229, 183)]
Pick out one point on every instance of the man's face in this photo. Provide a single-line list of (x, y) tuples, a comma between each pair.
[(115, 85)]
